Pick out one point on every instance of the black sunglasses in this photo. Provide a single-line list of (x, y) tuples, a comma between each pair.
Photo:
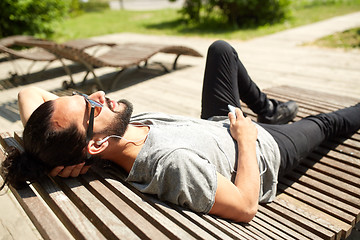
[(94, 105)]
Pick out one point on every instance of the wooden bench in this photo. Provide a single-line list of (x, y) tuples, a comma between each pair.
[(319, 200)]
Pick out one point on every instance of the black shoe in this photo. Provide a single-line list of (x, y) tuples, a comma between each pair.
[(283, 113)]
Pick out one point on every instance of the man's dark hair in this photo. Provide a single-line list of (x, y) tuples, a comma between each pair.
[(44, 149)]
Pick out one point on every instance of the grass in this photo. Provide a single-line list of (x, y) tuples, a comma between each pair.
[(349, 39), (168, 22)]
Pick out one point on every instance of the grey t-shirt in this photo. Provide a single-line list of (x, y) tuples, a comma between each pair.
[(181, 156)]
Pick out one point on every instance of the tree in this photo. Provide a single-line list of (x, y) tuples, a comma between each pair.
[(31, 16)]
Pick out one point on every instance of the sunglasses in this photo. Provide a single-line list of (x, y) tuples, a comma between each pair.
[(95, 109)]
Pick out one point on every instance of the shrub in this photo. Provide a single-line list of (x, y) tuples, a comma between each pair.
[(30, 16), (238, 12)]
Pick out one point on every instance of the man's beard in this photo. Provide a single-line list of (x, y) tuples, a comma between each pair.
[(121, 121)]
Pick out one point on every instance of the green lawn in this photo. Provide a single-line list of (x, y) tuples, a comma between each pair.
[(168, 22), (349, 39)]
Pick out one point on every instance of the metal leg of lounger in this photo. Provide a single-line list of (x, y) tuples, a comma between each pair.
[(46, 66), (84, 79), (117, 78), (67, 70), (18, 72), (91, 69), (175, 61)]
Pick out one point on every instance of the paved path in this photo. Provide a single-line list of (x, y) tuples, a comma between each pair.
[(144, 4), (273, 60)]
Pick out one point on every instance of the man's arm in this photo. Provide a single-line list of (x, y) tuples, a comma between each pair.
[(29, 99), (239, 201)]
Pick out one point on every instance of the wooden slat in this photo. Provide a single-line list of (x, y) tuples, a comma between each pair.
[(343, 167), (138, 203), (333, 172), (176, 216), (277, 227), (310, 229), (297, 231), (63, 208), (341, 229), (342, 186), (66, 211), (261, 228), (104, 220), (121, 209), (322, 201), (43, 219), (326, 189)]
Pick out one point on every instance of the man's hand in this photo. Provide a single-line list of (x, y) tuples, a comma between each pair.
[(70, 171), (242, 129)]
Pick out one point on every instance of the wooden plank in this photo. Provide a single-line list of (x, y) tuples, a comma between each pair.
[(344, 187), (216, 232), (234, 230), (169, 210), (324, 188), (104, 220), (121, 209), (142, 206), (345, 219), (79, 226), (65, 211), (322, 201), (44, 220), (340, 229), (297, 231), (249, 230), (277, 227), (224, 226), (335, 164), (266, 229), (292, 92), (341, 157), (264, 233), (339, 175), (343, 149), (310, 229)]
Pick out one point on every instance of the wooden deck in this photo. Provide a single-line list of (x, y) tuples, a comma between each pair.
[(319, 200)]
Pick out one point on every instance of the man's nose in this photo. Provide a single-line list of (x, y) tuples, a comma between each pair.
[(98, 96)]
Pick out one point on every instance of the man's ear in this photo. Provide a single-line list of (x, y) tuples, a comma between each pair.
[(94, 148)]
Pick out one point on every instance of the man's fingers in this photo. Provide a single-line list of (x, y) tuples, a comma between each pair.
[(85, 169), (231, 117), (77, 169), (239, 113), (69, 171), (66, 171), (56, 171)]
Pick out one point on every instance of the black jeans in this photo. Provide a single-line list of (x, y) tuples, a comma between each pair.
[(226, 81)]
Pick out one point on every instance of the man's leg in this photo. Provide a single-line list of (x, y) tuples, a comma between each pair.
[(297, 140), (226, 81)]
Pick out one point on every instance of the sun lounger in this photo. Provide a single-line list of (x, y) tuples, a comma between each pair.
[(119, 56), (37, 55), (40, 54), (318, 200)]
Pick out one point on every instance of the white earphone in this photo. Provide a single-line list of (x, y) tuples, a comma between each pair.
[(115, 136)]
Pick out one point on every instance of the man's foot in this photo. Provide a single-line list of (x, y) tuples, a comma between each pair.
[(283, 113)]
